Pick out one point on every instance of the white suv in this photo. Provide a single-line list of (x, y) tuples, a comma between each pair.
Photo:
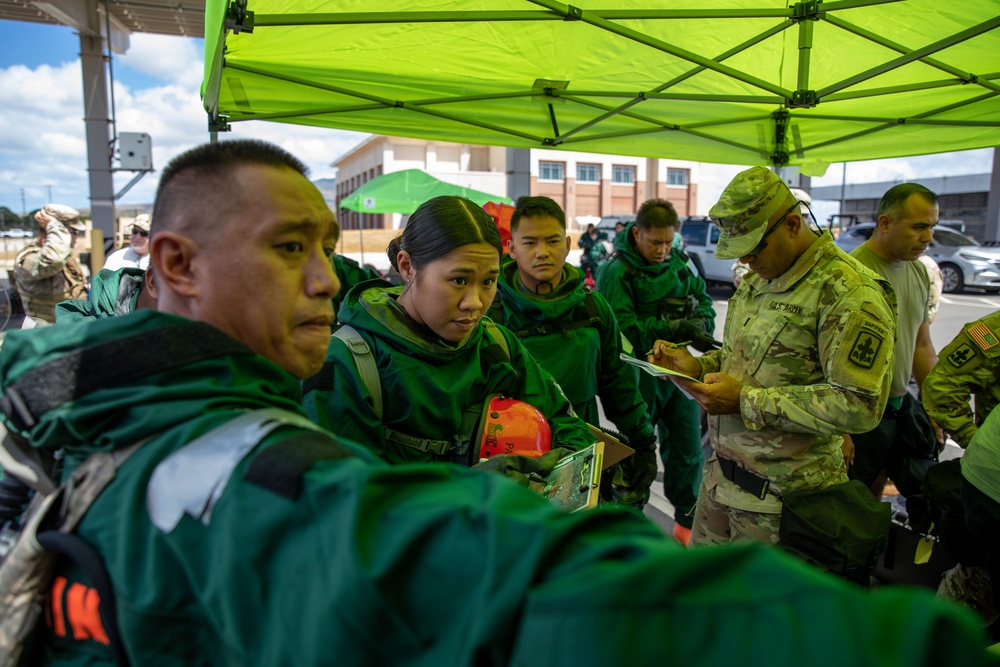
[(700, 238)]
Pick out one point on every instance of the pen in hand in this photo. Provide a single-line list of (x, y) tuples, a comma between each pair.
[(684, 344)]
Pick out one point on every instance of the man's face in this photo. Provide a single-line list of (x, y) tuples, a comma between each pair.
[(778, 253), (139, 240), (265, 278), (908, 234), (539, 246), (653, 244), (452, 293)]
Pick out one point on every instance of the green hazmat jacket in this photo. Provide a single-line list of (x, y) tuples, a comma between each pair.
[(636, 289), (411, 565), (583, 356), (350, 273), (112, 293), (426, 384)]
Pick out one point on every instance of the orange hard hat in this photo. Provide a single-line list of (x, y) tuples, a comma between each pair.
[(514, 427)]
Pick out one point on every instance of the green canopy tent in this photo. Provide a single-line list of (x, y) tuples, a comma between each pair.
[(404, 191), (732, 81)]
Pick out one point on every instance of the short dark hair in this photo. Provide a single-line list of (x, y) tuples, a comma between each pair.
[(656, 213), (529, 207), (201, 179), (441, 225), (897, 196)]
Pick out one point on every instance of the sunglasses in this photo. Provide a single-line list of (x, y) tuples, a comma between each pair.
[(141, 232), (759, 248)]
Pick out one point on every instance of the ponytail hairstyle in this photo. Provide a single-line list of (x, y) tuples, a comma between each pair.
[(441, 225)]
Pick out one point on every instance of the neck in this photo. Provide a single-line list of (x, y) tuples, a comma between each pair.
[(876, 246)]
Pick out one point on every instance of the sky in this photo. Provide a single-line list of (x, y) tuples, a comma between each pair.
[(43, 154)]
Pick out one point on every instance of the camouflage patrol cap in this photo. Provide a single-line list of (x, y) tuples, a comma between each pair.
[(744, 208), (66, 215)]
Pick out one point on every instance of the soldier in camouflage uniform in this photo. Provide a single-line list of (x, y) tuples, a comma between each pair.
[(46, 271), (806, 356), (968, 365)]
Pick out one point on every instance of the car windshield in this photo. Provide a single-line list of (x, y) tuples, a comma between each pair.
[(947, 237), (694, 233)]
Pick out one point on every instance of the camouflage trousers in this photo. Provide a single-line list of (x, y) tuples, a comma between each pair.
[(717, 523)]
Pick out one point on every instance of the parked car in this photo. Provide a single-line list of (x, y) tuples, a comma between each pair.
[(701, 236), (608, 222), (15, 233), (963, 262)]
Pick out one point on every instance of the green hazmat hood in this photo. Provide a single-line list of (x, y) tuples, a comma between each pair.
[(731, 81), (404, 191)]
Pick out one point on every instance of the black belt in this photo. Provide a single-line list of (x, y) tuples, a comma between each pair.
[(751, 482)]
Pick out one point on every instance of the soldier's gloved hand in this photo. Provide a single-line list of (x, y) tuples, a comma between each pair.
[(678, 331), (632, 477), (521, 468), (55, 226)]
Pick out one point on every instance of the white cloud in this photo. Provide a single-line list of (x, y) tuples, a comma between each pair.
[(42, 136)]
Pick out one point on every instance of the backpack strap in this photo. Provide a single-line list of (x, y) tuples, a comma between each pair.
[(494, 332), (365, 362)]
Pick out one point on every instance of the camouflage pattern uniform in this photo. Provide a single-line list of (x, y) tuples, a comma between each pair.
[(813, 350), (47, 274), (968, 365)]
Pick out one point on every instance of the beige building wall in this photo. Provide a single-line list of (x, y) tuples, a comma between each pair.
[(586, 185)]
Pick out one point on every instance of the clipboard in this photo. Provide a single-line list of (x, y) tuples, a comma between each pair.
[(614, 449), (574, 483), (654, 370)]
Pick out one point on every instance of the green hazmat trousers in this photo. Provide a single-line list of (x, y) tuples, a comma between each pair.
[(312, 552), (427, 384), (637, 292)]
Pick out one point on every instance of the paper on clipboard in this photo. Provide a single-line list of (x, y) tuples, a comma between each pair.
[(659, 371)]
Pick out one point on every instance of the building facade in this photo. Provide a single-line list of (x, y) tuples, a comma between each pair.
[(586, 185), (962, 200)]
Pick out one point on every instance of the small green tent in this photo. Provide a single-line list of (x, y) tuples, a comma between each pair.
[(403, 191), (734, 81)]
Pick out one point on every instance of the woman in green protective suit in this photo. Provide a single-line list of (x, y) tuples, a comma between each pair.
[(437, 359)]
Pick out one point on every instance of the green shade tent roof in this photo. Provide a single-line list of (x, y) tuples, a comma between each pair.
[(404, 191), (732, 81)]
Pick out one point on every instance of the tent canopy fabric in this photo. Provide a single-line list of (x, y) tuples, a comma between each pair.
[(403, 191), (732, 81)]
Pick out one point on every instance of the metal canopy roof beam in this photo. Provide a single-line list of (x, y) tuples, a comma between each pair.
[(889, 90), (630, 133), (576, 14), (770, 32), (385, 103), (912, 56), (693, 97), (966, 77)]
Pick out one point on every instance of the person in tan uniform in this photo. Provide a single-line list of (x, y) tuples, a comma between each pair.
[(46, 271)]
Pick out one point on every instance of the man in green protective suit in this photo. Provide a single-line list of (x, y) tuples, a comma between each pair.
[(238, 537), (656, 295), (573, 334), (112, 293)]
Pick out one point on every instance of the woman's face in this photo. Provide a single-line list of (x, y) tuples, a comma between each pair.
[(451, 294)]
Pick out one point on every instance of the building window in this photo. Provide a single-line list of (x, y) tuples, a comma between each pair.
[(677, 177), (550, 171), (588, 173), (623, 175)]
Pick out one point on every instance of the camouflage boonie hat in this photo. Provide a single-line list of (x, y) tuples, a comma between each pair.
[(66, 215), (744, 208)]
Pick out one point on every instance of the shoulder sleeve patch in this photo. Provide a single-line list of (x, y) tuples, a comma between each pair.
[(983, 336), (961, 355), (862, 356)]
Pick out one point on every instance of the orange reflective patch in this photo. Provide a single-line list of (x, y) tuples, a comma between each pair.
[(83, 610), (58, 624)]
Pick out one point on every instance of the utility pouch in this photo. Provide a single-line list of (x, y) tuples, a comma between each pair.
[(842, 529)]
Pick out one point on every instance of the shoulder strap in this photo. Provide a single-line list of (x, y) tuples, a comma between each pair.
[(494, 332), (365, 361)]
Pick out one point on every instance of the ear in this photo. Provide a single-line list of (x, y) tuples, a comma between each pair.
[(172, 256), (794, 223), (510, 247), (149, 281), (884, 222), (635, 232), (568, 244), (405, 265)]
